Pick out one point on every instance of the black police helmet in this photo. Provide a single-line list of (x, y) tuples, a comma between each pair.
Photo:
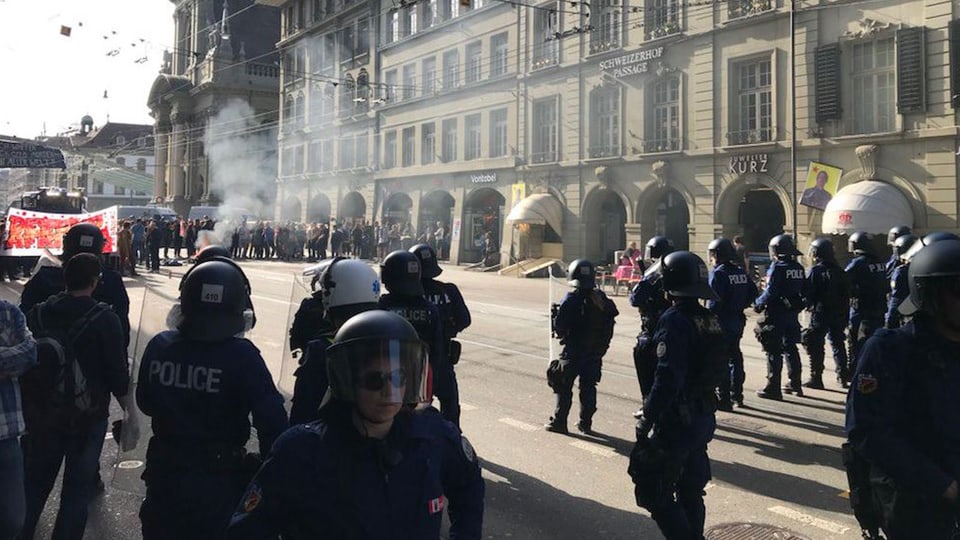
[(931, 238), (211, 251), (82, 238), (933, 271), (902, 244), (685, 274), (657, 247), (781, 246), (400, 273), (897, 232), (859, 243), (821, 249), (212, 299), (582, 274), (429, 268), (722, 249), (377, 336)]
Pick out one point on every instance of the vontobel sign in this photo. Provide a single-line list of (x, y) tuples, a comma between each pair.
[(631, 64), (751, 163), (487, 178)]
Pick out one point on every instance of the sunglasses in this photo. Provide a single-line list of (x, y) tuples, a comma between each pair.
[(375, 381)]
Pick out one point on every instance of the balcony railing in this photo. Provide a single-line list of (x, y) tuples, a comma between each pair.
[(599, 46), (605, 151), (652, 146), (661, 30), (750, 136), (744, 8), (549, 156)]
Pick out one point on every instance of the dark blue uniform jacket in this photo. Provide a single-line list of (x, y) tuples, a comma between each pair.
[(785, 282), (324, 481), (868, 287), (737, 292), (425, 318)]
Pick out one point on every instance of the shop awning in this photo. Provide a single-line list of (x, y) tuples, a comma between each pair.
[(539, 209), (870, 206)]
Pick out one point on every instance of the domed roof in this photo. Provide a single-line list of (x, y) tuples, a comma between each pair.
[(87, 120)]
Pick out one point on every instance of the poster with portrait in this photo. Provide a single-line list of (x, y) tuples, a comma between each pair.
[(821, 186), (30, 233)]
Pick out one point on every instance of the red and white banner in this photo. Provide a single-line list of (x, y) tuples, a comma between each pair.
[(30, 233)]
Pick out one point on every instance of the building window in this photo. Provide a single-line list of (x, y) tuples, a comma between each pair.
[(361, 100), (121, 161), (393, 26), (754, 106), (347, 90), (121, 140), (298, 156), (298, 110), (409, 20), (429, 75), (97, 187), (605, 122), (327, 62), (326, 163), (545, 132), (318, 10), (474, 56), (390, 85), (119, 190), (744, 8), (498, 53), (498, 133), (362, 51), (428, 14), (607, 33), (428, 143), (314, 157), (141, 164), (664, 135), (873, 86), (409, 146), (471, 146), (451, 69), (546, 47), (321, 105), (390, 150), (347, 156), (288, 120), (663, 18), (449, 147), (361, 157), (409, 81), (347, 43)]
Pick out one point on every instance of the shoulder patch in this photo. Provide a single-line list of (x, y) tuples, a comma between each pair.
[(661, 349), (867, 384), (468, 450)]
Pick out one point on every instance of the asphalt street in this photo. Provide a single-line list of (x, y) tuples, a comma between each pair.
[(773, 463)]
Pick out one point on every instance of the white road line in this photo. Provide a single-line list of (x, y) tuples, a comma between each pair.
[(467, 407), (807, 519), (519, 425), (501, 306), (606, 371), (593, 448), (268, 299)]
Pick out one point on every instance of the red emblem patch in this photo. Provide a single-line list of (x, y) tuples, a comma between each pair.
[(867, 384), (845, 218), (435, 506), (252, 499)]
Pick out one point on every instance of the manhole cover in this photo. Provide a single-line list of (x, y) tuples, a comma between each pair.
[(751, 531)]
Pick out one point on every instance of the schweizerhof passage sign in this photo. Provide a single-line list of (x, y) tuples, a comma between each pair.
[(630, 64)]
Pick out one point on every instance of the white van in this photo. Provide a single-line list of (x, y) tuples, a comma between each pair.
[(146, 213)]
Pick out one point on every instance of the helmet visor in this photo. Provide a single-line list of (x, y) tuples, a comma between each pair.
[(391, 369)]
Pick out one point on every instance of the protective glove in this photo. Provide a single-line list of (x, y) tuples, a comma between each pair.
[(644, 427)]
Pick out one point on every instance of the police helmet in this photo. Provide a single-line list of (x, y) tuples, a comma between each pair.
[(934, 277), (82, 238), (781, 246), (722, 249), (382, 339), (930, 238), (349, 286), (582, 274), (211, 251), (859, 243), (821, 249), (897, 232), (657, 247), (213, 298), (902, 245), (400, 273), (685, 274), (429, 268)]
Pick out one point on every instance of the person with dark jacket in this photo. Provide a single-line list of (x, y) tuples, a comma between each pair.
[(60, 432), (155, 235)]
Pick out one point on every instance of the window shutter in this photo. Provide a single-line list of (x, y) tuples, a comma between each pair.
[(911, 71), (955, 63), (827, 81)]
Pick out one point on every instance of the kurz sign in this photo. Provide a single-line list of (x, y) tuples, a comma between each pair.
[(750, 163)]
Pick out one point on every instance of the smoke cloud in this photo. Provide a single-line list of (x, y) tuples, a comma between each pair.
[(241, 150)]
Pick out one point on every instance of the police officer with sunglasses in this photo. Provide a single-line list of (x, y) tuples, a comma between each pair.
[(371, 466)]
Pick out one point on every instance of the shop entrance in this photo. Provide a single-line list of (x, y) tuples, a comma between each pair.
[(482, 224)]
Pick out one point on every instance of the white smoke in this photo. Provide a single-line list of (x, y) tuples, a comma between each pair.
[(241, 150)]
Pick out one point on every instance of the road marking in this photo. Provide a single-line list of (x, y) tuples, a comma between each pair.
[(593, 448), (267, 298), (467, 407), (494, 347), (494, 477), (807, 519), (519, 425), (534, 311)]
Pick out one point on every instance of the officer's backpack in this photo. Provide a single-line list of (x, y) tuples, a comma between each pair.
[(57, 391)]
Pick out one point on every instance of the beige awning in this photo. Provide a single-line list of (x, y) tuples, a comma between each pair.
[(539, 209)]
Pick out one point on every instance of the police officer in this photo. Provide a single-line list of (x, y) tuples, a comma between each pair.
[(648, 297), (310, 322), (671, 468), (899, 283), (902, 411), (779, 330), (895, 232), (584, 323), (735, 292), (868, 292), (827, 297), (400, 275), (347, 287), (371, 466), (455, 318), (199, 384)]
